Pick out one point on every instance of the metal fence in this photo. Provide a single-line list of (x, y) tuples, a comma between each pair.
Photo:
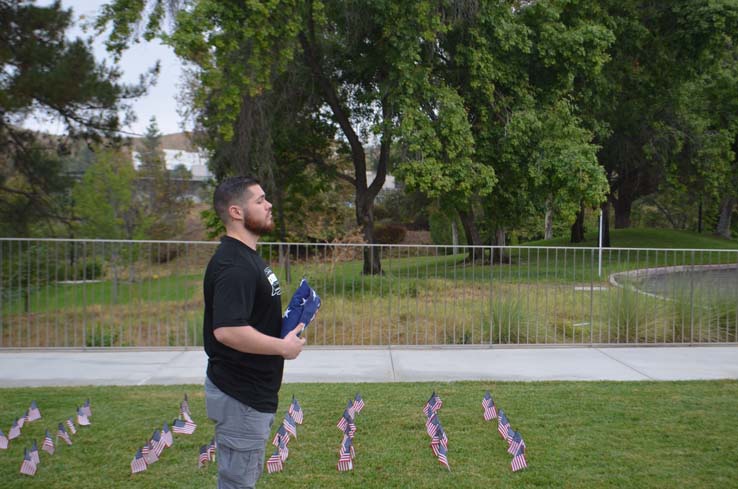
[(98, 293)]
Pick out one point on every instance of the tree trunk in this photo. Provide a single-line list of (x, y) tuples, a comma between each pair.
[(365, 219), (622, 207), (500, 255), (726, 211), (284, 250), (606, 225), (365, 194), (548, 221), (472, 234), (470, 227), (577, 229)]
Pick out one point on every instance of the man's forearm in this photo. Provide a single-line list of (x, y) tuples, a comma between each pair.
[(248, 340)]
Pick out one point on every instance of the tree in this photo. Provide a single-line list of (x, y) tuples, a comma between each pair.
[(514, 69), (118, 214), (361, 57), (163, 196), (43, 72), (645, 134)]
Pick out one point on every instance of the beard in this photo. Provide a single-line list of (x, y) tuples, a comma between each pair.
[(259, 228)]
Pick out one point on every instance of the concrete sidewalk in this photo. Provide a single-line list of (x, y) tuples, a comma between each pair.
[(124, 367)]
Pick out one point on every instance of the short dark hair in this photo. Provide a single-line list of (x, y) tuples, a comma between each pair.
[(230, 191)]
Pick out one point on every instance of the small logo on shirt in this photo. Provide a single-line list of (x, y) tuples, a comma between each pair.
[(276, 289)]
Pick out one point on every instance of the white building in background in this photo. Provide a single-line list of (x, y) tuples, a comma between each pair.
[(195, 161), (389, 180)]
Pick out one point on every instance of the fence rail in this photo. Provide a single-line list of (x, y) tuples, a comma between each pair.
[(112, 293)]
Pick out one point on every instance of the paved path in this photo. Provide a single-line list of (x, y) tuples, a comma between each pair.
[(60, 367)]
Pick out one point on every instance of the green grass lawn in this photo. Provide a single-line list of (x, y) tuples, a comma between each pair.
[(579, 435), (648, 238)]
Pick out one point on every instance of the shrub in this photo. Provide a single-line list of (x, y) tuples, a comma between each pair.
[(389, 233), (440, 229), (80, 270)]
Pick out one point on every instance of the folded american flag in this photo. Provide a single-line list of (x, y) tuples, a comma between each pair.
[(302, 308)]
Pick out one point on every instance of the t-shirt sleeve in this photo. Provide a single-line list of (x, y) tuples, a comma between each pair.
[(233, 297)]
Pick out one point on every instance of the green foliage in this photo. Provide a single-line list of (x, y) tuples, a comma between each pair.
[(104, 199), (46, 73), (440, 228), (212, 222), (653, 99), (400, 206), (504, 110), (162, 196), (80, 270)]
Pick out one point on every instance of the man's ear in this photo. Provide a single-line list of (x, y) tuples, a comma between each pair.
[(235, 212)]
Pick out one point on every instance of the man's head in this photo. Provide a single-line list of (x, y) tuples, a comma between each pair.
[(242, 199)]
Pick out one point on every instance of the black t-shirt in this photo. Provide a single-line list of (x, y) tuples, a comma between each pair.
[(241, 289)]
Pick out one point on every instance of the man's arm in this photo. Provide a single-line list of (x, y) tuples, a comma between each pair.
[(248, 340)]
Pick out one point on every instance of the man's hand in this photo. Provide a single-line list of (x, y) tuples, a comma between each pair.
[(292, 343)]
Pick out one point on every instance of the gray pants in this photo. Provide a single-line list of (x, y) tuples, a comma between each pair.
[(241, 433)]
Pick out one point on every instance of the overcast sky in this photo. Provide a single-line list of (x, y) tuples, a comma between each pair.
[(160, 101)]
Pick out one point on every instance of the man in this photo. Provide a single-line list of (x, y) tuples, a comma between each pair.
[(241, 329)]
